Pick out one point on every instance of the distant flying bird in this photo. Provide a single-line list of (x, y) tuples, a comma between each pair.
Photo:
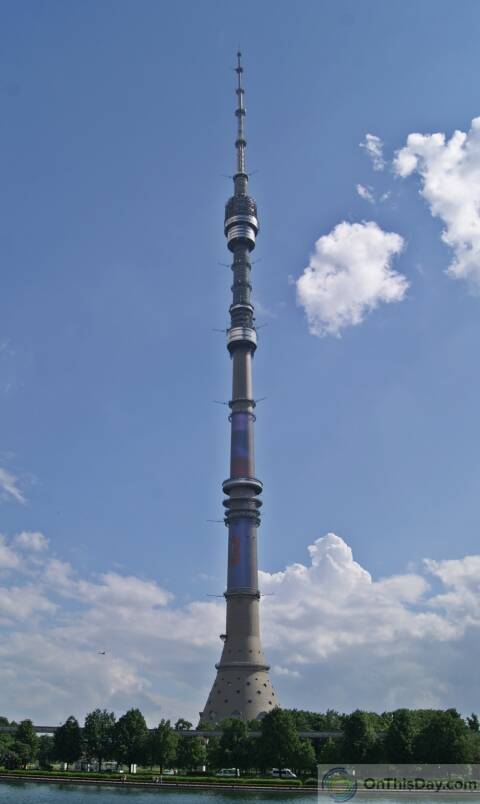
[(102, 652)]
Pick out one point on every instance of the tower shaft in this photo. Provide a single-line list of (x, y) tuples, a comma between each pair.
[(242, 687)]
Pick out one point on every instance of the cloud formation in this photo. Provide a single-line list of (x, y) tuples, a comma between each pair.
[(336, 637), (373, 146), (30, 540), (368, 194), (8, 557), (348, 275), (365, 193), (450, 184), (9, 487)]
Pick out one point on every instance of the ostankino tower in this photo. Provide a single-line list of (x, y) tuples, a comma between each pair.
[(242, 687)]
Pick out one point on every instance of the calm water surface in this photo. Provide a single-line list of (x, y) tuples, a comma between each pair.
[(29, 793)]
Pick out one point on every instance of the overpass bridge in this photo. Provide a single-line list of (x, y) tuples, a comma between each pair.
[(312, 735)]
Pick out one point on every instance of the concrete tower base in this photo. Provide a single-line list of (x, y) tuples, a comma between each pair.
[(242, 692), (242, 687)]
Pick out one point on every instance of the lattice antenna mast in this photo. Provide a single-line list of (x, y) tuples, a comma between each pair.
[(241, 142)]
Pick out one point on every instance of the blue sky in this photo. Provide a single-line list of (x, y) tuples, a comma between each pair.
[(115, 146)]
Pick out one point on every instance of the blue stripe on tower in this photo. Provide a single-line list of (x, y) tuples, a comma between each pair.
[(239, 566), (240, 457)]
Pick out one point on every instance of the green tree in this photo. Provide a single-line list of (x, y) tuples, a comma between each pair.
[(68, 741), (303, 759), (279, 743), (473, 723), (331, 721), (304, 720), (331, 751), (359, 737), (130, 738), (46, 751), (444, 739), (25, 735), (234, 746), (9, 759), (162, 745), (98, 735), (182, 725), (191, 753), (399, 737), (316, 721), (380, 722), (6, 738), (214, 756), (24, 753)]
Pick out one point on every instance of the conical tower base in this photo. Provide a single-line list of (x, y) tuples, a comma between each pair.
[(243, 692), (242, 687)]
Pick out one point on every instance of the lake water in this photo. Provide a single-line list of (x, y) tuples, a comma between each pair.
[(29, 793)]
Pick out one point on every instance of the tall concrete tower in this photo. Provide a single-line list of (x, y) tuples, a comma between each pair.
[(242, 687)]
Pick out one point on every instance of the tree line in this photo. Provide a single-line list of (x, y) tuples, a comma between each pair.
[(129, 742), (402, 736)]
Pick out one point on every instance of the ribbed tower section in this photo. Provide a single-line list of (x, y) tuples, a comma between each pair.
[(242, 687)]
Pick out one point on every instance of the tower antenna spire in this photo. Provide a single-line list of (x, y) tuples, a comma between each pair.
[(240, 142)]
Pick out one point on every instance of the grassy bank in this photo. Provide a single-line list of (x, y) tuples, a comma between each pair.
[(149, 778), (147, 781)]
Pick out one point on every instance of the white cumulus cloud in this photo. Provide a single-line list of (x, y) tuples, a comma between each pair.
[(31, 541), (8, 557), (373, 146), (348, 275), (336, 637), (278, 670), (460, 577), (19, 603), (354, 608), (449, 170)]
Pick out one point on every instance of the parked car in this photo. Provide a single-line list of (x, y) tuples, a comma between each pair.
[(284, 773), (169, 772), (228, 772)]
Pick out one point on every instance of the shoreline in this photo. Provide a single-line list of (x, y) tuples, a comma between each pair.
[(228, 788), (191, 786)]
